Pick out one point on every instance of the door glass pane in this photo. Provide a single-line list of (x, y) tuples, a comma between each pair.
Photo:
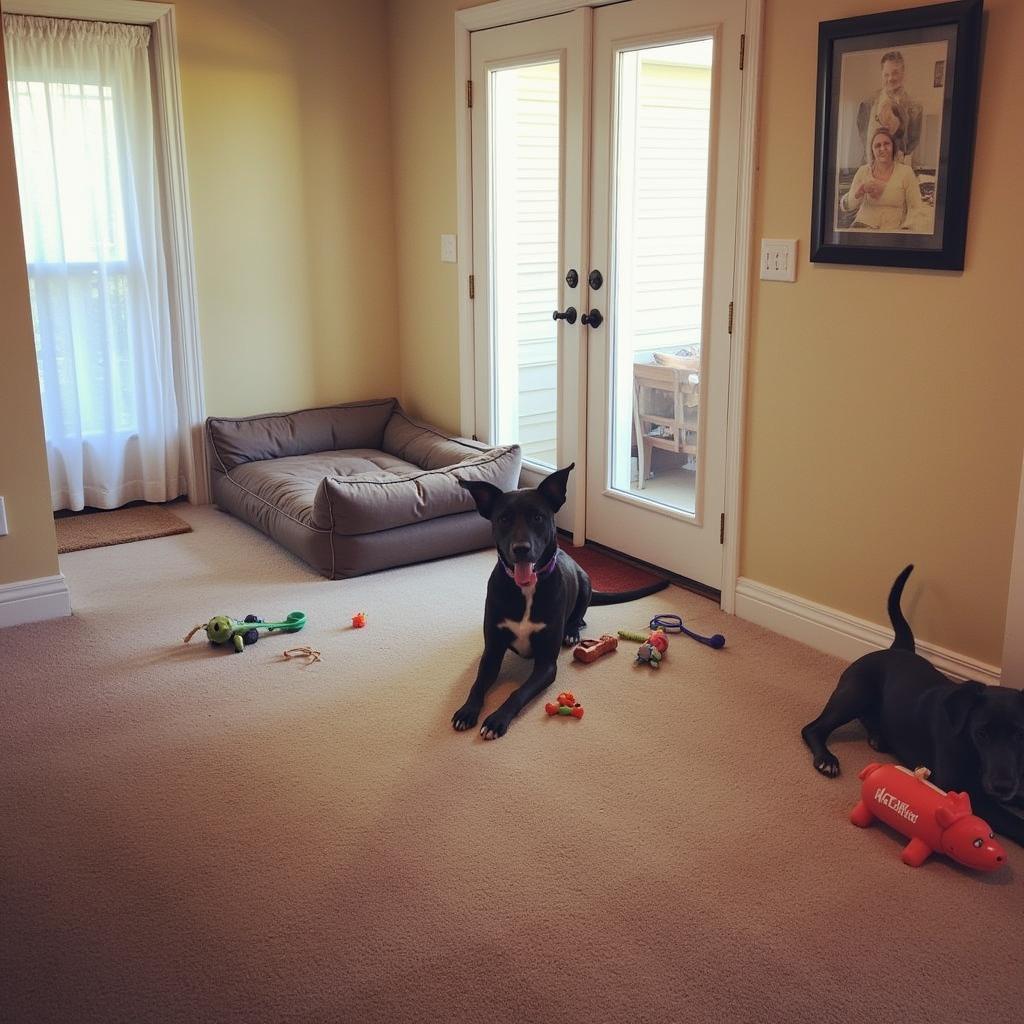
[(524, 236), (662, 128)]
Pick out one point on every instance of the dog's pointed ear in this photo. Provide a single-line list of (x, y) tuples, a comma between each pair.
[(484, 494), (552, 488), (961, 702)]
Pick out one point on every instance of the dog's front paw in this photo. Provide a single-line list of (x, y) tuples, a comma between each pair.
[(827, 764), (494, 726), (573, 633), (466, 716)]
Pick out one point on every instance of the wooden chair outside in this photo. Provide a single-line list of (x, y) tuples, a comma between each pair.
[(666, 404)]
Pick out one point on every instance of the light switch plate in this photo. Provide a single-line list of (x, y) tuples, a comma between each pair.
[(448, 250), (778, 259), (3, 518)]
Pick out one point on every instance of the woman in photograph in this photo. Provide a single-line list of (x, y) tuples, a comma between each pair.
[(884, 194)]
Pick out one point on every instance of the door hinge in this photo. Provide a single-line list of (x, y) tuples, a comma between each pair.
[(721, 529), (743, 51), (472, 287), (469, 92), (730, 317)]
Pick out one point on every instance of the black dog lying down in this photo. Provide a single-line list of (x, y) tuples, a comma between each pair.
[(536, 595), (970, 735)]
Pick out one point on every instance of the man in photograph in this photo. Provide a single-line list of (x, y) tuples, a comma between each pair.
[(893, 109)]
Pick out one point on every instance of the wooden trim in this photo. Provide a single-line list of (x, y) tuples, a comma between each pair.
[(178, 241), (509, 12), (34, 600), (845, 636), (464, 227), (1013, 636), (742, 289), (128, 12)]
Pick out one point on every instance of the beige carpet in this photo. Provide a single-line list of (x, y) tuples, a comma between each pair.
[(118, 526), (191, 835)]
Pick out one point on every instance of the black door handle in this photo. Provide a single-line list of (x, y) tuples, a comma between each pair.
[(569, 316), (593, 318)]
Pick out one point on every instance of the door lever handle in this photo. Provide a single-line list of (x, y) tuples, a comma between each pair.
[(569, 316), (593, 318)]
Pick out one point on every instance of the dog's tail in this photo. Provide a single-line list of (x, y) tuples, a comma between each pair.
[(622, 596), (904, 639)]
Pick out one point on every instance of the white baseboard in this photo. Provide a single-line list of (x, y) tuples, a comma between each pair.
[(834, 632), (34, 600)]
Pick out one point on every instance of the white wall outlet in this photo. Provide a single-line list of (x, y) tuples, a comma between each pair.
[(3, 518), (448, 250), (778, 259)]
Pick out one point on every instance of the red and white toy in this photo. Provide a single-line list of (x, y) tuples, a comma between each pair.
[(932, 818)]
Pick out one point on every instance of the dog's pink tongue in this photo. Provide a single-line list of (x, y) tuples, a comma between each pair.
[(524, 574)]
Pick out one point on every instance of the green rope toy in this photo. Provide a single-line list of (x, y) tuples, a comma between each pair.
[(222, 629)]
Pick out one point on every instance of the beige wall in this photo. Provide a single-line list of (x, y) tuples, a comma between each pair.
[(289, 157), (885, 423), (29, 551), (426, 203), (884, 420)]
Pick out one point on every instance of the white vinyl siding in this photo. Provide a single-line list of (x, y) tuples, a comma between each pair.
[(526, 275), (665, 233)]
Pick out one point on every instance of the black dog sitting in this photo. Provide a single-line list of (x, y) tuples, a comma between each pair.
[(970, 735), (536, 596)]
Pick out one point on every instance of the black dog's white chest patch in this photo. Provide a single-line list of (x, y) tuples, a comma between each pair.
[(524, 629)]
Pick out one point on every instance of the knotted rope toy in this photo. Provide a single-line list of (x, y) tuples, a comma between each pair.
[(310, 654), (223, 629)]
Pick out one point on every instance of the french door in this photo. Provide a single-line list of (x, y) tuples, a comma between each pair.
[(530, 157), (605, 153)]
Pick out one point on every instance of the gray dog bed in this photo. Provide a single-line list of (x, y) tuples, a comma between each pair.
[(357, 487)]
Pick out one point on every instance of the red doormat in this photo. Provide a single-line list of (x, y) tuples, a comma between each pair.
[(607, 572)]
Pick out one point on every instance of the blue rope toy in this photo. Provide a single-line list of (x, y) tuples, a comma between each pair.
[(674, 624)]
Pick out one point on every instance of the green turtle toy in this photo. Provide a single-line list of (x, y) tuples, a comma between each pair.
[(222, 629)]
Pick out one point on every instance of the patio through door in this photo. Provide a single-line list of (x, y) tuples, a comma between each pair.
[(605, 153)]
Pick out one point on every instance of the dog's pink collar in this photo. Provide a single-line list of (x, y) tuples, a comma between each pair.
[(545, 570)]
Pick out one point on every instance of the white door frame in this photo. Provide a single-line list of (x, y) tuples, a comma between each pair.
[(180, 249), (1012, 671), (505, 12)]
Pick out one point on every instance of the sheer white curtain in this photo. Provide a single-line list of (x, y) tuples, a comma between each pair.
[(81, 104)]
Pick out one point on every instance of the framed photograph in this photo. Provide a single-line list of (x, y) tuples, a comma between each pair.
[(894, 136)]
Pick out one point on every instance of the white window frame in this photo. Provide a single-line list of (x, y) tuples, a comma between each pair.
[(506, 12), (180, 249)]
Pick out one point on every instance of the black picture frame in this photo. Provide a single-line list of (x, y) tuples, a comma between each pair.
[(911, 77)]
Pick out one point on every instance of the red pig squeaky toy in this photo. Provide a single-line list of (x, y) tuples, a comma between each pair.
[(931, 818)]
